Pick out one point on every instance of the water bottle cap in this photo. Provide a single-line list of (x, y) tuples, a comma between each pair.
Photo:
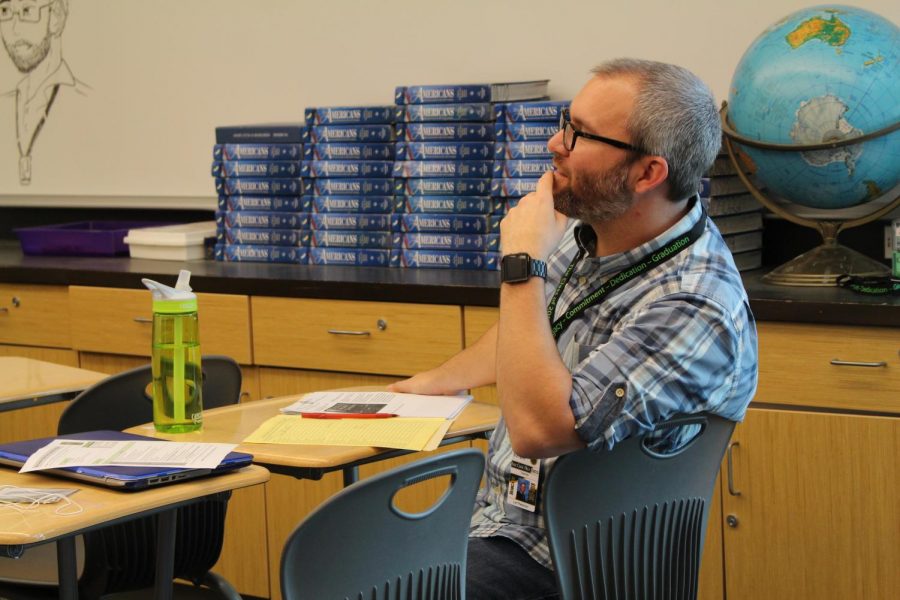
[(178, 299)]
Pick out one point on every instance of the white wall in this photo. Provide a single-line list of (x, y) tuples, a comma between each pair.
[(164, 73)]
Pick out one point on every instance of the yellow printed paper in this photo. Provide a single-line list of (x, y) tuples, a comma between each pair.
[(400, 432)]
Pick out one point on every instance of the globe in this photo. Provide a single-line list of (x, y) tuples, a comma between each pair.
[(822, 74)]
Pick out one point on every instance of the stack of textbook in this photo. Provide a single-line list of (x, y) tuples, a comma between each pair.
[(521, 155), (262, 213), (445, 216), (735, 212), (349, 162)]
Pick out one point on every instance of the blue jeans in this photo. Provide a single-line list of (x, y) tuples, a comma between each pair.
[(499, 569)]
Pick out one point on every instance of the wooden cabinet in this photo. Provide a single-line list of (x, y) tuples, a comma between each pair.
[(814, 513), (813, 510), (387, 338), (829, 366), (115, 321), (35, 315)]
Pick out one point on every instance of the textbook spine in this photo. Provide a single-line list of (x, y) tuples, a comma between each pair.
[(350, 257), (353, 204), (442, 186), (351, 222), (351, 239), (256, 168), (348, 151), (445, 259), (270, 186), (289, 133), (442, 168), (472, 205), (428, 113), (349, 115), (444, 151), (445, 132), (260, 203), (222, 152), (347, 168)]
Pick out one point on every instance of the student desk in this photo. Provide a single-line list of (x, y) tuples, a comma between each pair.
[(102, 507), (28, 382), (231, 424)]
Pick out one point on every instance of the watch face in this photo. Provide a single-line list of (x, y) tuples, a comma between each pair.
[(514, 268)]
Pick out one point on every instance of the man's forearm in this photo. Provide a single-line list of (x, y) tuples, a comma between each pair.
[(533, 383), (470, 368)]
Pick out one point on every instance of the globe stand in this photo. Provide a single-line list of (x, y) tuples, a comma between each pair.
[(822, 265)]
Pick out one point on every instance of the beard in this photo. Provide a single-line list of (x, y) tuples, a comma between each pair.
[(27, 56), (597, 197)]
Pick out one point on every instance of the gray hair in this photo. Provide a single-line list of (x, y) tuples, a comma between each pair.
[(674, 117)]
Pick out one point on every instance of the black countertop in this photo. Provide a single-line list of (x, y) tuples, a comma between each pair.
[(426, 286)]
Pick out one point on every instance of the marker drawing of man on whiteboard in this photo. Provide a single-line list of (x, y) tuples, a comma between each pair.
[(32, 35)]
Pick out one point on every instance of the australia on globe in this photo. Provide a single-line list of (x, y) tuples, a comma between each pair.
[(822, 74)]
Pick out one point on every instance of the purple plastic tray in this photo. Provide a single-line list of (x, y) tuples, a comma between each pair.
[(83, 238)]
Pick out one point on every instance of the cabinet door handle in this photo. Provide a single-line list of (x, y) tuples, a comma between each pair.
[(854, 363), (730, 463), (348, 332), (143, 320)]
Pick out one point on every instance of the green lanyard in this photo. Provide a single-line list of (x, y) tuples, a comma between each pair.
[(625, 275)]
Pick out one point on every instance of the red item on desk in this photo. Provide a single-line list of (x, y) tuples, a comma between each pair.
[(319, 415)]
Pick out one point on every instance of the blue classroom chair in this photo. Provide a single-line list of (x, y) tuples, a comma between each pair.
[(360, 544), (630, 523)]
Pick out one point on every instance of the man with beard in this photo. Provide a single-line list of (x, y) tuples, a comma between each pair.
[(648, 317), (31, 31)]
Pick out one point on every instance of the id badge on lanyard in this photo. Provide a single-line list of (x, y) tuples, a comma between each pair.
[(524, 483)]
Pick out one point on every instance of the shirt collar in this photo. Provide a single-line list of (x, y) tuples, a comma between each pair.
[(586, 239), (61, 75)]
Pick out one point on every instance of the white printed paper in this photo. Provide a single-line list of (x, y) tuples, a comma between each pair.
[(126, 453), (401, 405)]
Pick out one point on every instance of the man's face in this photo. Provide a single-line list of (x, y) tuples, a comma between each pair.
[(25, 27), (591, 182)]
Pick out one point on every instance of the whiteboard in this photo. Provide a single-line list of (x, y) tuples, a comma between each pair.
[(159, 76)]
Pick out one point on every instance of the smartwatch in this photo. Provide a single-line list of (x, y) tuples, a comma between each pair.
[(519, 267)]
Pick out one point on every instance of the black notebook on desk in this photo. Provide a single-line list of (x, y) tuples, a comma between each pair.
[(14, 454)]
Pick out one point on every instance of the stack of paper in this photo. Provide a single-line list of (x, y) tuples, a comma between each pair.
[(400, 405), (345, 419)]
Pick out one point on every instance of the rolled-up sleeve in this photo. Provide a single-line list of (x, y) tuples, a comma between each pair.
[(678, 354)]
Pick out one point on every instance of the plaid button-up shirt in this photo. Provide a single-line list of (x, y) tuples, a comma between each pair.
[(679, 338)]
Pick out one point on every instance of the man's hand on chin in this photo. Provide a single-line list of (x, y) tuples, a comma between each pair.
[(534, 226)]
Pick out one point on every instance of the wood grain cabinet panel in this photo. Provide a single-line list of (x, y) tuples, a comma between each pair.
[(34, 315), (116, 321), (795, 366), (814, 513), (387, 338)]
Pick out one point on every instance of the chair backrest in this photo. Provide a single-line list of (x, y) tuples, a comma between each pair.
[(121, 557), (121, 401), (359, 544), (630, 523)]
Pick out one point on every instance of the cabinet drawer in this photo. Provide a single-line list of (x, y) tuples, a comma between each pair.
[(795, 366), (341, 335), (35, 315), (117, 321)]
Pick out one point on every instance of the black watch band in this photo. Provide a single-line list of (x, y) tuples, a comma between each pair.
[(519, 267)]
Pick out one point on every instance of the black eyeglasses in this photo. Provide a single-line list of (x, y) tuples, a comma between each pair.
[(571, 135)]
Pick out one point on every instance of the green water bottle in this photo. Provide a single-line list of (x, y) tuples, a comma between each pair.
[(177, 378)]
